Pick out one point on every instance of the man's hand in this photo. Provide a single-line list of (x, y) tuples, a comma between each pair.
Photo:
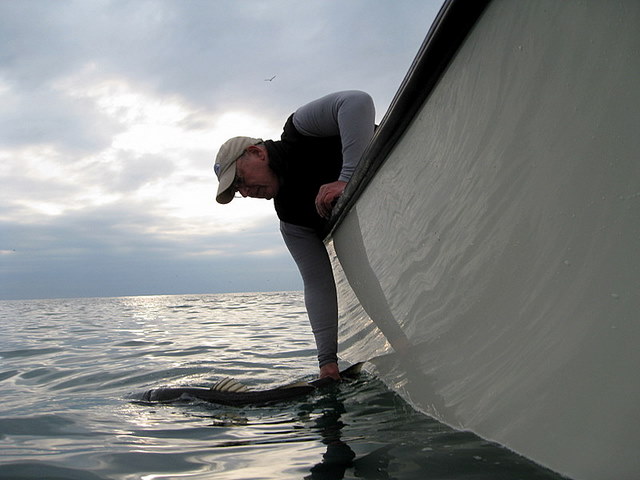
[(330, 370), (327, 195)]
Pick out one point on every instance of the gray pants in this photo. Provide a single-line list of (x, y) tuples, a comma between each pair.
[(312, 259)]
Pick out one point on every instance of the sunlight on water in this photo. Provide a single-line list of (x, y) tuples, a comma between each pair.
[(71, 372)]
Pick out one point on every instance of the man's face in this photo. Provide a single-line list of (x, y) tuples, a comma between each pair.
[(254, 178)]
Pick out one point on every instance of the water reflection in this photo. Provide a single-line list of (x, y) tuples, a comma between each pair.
[(339, 455), (336, 432), (371, 433)]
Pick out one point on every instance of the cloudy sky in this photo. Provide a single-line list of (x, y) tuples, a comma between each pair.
[(111, 112)]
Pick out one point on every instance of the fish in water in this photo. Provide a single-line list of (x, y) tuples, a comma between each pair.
[(231, 392)]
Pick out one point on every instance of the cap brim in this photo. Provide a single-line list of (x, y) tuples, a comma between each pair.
[(225, 187)]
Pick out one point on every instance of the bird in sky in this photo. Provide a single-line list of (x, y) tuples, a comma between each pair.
[(270, 79)]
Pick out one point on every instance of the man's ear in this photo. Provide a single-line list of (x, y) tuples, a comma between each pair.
[(253, 149), (256, 150)]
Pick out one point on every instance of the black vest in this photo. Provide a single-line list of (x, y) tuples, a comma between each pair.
[(303, 164)]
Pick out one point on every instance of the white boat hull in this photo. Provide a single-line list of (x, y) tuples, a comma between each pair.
[(491, 267)]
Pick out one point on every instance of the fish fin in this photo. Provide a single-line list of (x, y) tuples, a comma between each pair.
[(229, 385)]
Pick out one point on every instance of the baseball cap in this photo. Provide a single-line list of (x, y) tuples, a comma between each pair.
[(225, 165)]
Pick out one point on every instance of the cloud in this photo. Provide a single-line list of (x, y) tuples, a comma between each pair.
[(111, 112), (117, 250), (44, 116)]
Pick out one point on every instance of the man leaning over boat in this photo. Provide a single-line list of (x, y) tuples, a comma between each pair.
[(305, 172)]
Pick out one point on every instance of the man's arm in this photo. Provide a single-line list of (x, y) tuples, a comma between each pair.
[(350, 114)]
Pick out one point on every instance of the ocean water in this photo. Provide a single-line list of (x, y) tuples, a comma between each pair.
[(72, 371)]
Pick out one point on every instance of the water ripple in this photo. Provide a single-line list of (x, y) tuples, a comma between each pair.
[(29, 352)]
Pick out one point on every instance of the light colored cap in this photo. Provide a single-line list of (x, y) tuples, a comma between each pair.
[(225, 166)]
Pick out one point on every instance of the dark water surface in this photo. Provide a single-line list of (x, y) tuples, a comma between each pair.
[(71, 371)]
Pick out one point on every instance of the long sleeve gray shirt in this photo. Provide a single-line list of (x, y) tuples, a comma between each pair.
[(350, 114)]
